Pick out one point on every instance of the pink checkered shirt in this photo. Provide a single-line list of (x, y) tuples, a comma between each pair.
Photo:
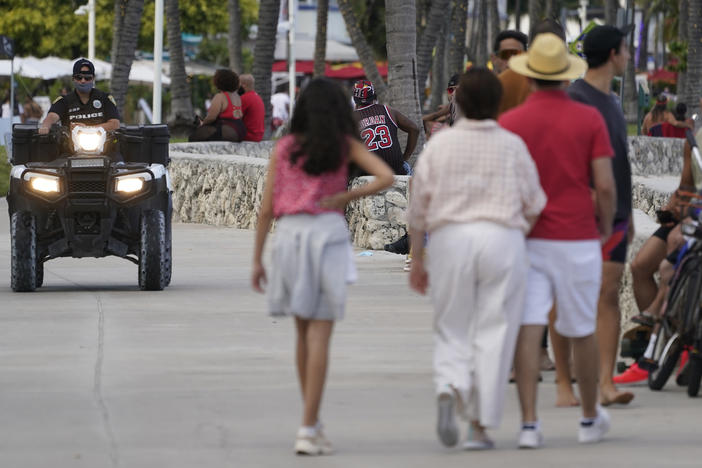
[(475, 171)]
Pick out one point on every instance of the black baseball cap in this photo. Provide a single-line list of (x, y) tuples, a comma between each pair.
[(80, 63), (605, 38), (454, 80)]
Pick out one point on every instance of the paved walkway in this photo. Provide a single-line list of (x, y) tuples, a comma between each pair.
[(95, 373)]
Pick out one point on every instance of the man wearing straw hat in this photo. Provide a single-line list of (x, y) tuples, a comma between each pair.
[(571, 148)]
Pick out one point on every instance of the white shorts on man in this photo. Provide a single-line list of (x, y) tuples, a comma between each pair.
[(569, 273)]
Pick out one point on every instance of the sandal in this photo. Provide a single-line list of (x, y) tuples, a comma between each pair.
[(644, 319)]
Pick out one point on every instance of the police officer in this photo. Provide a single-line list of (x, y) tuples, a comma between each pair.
[(85, 106)]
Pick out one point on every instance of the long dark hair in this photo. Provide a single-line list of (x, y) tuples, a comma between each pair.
[(321, 121)]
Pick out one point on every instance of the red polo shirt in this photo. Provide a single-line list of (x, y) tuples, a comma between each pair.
[(254, 112), (563, 137)]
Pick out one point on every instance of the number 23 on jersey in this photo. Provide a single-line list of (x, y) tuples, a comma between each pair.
[(376, 137)]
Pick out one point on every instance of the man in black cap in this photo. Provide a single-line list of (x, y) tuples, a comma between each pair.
[(607, 54), (85, 106)]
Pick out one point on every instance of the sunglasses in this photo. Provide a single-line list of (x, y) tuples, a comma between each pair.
[(451, 89), (507, 53), (79, 77)]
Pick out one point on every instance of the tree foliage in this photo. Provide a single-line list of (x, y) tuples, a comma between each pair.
[(50, 27)]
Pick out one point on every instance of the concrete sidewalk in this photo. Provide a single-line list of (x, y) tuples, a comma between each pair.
[(95, 373)]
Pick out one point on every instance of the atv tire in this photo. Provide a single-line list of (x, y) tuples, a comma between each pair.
[(153, 252), (23, 232)]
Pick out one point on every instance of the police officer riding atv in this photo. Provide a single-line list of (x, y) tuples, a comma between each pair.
[(89, 188)]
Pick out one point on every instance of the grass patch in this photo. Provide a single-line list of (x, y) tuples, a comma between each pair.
[(4, 172)]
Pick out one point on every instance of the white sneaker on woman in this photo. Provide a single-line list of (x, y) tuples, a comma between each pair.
[(592, 432), (531, 437), (446, 426), (312, 442)]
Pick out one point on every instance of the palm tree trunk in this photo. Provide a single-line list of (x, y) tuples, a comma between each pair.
[(536, 12), (427, 41), (236, 61), (552, 9), (120, 10), (438, 77), (517, 14), (365, 54), (482, 55), (122, 61), (629, 98), (457, 37), (264, 50), (181, 115), (474, 31), (401, 39), (683, 25), (494, 13), (643, 44), (694, 57), (611, 7), (320, 43)]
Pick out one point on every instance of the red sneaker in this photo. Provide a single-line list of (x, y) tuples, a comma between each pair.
[(633, 374)]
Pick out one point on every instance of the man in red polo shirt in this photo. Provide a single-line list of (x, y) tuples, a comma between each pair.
[(252, 107), (571, 148)]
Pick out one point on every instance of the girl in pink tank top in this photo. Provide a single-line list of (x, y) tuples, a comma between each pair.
[(306, 191)]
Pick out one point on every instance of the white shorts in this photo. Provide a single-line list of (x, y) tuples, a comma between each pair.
[(569, 272)]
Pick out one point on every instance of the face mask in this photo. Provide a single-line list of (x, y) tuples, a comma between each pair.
[(84, 86)]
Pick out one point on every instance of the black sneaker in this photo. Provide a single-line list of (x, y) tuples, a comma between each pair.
[(400, 246)]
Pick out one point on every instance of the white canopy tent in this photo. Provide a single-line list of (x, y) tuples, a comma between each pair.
[(49, 68)]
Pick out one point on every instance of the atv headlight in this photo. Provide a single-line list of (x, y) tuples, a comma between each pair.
[(132, 183), (88, 139), (42, 182)]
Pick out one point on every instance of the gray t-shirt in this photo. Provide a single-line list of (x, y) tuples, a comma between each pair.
[(611, 109)]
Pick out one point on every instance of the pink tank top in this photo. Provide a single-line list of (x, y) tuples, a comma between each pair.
[(295, 191)]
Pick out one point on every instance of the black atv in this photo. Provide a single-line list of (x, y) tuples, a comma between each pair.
[(90, 193)]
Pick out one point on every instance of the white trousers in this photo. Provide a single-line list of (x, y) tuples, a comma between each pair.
[(477, 276)]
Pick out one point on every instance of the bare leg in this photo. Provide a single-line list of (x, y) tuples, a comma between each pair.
[(317, 338), (478, 431), (561, 352), (643, 268), (203, 133), (586, 369), (526, 368), (608, 325), (301, 352)]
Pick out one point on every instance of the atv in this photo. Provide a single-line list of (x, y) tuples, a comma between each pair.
[(90, 193)]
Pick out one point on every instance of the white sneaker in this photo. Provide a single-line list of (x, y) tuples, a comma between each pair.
[(312, 444), (531, 438), (446, 426), (594, 432)]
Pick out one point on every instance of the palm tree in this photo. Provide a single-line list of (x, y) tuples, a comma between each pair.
[(438, 75), (495, 25), (428, 39), (365, 54), (536, 12), (694, 57), (481, 56), (181, 116), (402, 58), (124, 42), (320, 43), (457, 37), (683, 27), (264, 51), (236, 62), (611, 7)]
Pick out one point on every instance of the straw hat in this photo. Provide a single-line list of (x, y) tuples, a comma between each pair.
[(548, 59)]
